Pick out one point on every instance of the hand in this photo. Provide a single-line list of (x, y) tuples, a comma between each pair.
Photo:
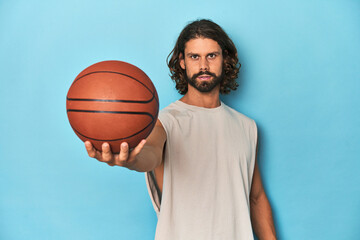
[(125, 158)]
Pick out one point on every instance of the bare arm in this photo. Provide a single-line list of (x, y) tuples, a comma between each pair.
[(146, 156), (260, 210)]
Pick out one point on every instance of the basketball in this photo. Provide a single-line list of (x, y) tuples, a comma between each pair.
[(114, 102)]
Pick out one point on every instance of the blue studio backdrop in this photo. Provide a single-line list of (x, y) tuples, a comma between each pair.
[(299, 81)]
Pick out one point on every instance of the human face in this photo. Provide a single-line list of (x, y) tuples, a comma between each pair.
[(203, 63)]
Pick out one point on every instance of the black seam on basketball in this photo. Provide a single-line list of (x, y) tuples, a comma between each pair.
[(157, 100), (112, 140), (110, 100), (111, 112), (115, 73)]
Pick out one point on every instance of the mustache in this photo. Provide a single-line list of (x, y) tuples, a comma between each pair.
[(203, 73)]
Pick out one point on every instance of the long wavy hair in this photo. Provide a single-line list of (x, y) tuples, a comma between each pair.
[(206, 29)]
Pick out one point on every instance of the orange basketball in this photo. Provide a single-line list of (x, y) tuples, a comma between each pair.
[(114, 102)]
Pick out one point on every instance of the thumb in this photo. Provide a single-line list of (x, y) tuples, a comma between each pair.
[(138, 148)]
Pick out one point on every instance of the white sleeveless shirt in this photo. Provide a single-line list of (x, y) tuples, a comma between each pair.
[(209, 160)]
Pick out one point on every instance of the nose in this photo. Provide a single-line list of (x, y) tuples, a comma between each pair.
[(204, 64)]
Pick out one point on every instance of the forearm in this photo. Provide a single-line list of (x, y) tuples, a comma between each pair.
[(261, 218), (147, 160), (151, 154)]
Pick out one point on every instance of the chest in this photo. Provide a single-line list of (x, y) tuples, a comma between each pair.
[(202, 140)]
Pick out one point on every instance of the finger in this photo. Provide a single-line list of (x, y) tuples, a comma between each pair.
[(107, 155), (124, 152), (92, 152), (138, 148)]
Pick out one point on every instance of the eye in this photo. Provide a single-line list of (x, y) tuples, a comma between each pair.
[(212, 55), (194, 56)]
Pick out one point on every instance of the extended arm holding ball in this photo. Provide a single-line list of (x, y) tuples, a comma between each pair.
[(146, 156)]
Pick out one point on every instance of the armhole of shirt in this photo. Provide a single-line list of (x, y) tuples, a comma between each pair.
[(154, 191), (255, 133)]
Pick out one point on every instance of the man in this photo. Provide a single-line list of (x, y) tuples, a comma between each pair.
[(200, 159)]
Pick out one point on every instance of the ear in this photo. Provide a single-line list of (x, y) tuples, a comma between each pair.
[(182, 61)]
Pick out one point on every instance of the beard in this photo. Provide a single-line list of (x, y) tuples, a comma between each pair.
[(205, 86)]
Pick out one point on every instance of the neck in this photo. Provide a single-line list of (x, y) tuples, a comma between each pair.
[(199, 99)]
